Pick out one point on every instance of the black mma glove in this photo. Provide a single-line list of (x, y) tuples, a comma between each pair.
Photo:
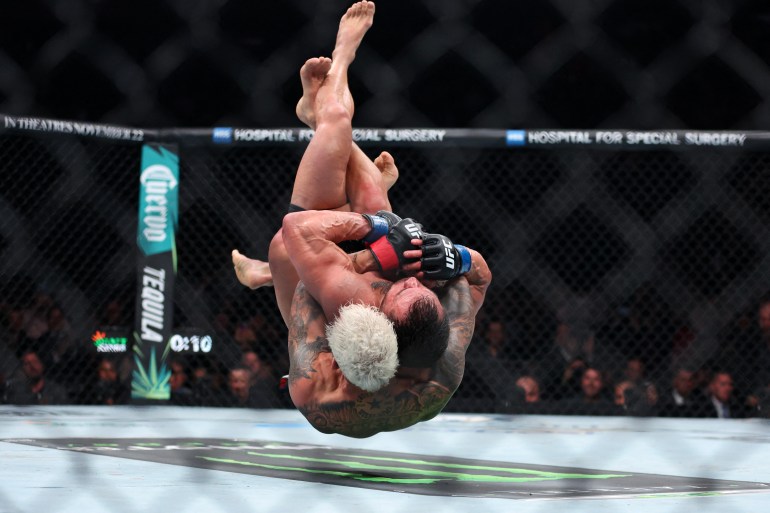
[(389, 250), (443, 260), (381, 223)]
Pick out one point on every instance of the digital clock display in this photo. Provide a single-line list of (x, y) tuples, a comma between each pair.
[(191, 344)]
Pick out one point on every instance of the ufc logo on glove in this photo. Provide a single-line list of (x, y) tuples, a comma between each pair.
[(450, 254), (414, 230)]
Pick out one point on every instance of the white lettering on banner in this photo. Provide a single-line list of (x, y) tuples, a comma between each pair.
[(157, 181), (415, 135), (111, 348), (714, 139), (609, 137), (366, 134), (68, 127), (558, 137), (256, 135), (153, 304), (305, 135), (653, 138)]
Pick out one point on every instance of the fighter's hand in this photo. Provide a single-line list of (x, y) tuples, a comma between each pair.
[(414, 268), (389, 251), (442, 259)]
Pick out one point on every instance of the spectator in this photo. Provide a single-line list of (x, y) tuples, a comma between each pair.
[(245, 336), (682, 397), (238, 387), (234, 345), (592, 398), (524, 398), (36, 316), (62, 355), (243, 394), (181, 391), (9, 363), (109, 389), (494, 342), (209, 388), (720, 402), (635, 370), (114, 314), (746, 352), (489, 361), (531, 389), (12, 329), (264, 386), (261, 371), (576, 348), (34, 387), (758, 403), (620, 392), (637, 398)]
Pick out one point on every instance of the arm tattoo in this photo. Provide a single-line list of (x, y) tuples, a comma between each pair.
[(305, 313), (458, 306)]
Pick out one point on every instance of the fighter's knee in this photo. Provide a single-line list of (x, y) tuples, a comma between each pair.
[(332, 114), (277, 247), (369, 201)]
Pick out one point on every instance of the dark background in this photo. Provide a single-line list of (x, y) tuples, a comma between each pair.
[(699, 64)]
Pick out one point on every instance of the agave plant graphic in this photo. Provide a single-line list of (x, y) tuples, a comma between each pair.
[(150, 382)]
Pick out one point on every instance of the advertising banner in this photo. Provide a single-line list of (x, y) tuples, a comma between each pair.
[(156, 270)]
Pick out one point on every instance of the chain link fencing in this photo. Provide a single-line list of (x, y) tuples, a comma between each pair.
[(620, 269)]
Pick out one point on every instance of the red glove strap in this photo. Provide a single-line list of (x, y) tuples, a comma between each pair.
[(384, 253)]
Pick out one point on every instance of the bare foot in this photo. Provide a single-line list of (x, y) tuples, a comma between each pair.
[(353, 25), (387, 167), (250, 272), (312, 75)]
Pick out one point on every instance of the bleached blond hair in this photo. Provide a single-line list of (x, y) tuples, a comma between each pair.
[(364, 344)]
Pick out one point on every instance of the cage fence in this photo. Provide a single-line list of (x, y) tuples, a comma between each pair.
[(622, 263)]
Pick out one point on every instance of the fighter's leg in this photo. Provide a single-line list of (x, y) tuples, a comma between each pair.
[(321, 174), (251, 272), (359, 164), (320, 180), (366, 185), (387, 166), (319, 184), (286, 276)]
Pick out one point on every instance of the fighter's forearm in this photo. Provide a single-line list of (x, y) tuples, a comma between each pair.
[(459, 307), (479, 275), (364, 262), (315, 229)]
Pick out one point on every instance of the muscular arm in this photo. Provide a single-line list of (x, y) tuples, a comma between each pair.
[(462, 298), (307, 338), (479, 278), (311, 239)]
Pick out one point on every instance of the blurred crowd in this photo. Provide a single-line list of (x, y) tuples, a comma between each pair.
[(43, 361), (631, 364), (637, 362)]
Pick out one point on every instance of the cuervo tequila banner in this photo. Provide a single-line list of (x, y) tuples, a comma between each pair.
[(156, 270)]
